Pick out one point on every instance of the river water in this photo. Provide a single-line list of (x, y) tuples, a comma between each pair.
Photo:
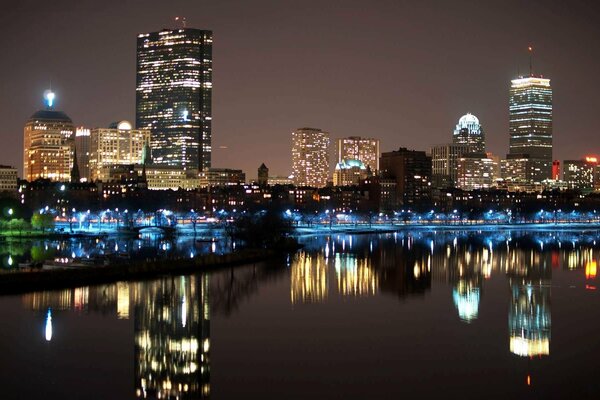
[(424, 314)]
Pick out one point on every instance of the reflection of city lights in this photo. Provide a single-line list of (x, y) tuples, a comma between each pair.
[(49, 325), (590, 270), (354, 277), (466, 301), (308, 279)]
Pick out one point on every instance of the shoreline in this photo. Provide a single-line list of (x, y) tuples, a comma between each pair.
[(342, 228), (30, 281)]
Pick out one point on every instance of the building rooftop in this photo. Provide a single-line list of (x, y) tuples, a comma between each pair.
[(50, 115)]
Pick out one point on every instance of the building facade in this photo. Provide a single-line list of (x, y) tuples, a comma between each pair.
[(349, 173), (310, 157), (117, 145), (581, 174), (48, 145), (8, 179), (83, 151), (469, 131), (412, 171), (444, 163), (174, 95), (477, 171), (530, 124), (222, 177), (365, 150)]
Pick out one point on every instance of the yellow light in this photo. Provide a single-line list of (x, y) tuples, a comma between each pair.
[(590, 270)]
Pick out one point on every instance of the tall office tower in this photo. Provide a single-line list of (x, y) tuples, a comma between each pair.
[(310, 157), (365, 150), (117, 145), (173, 96), (82, 148), (444, 163), (530, 125), (48, 144), (469, 131), (556, 170), (412, 171)]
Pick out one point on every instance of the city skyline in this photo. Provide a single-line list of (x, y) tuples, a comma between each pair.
[(257, 101)]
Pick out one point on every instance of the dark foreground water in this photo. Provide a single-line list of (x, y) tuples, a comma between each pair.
[(406, 315)]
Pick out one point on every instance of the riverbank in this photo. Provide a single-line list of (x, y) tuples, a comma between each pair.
[(32, 280)]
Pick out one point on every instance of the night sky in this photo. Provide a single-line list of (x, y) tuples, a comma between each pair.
[(401, 71)]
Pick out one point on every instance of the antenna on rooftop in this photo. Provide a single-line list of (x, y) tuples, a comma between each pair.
[(182, 21), (530, 60)]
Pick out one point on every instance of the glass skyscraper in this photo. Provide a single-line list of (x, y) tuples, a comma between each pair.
[(530, 124), (173, 95)]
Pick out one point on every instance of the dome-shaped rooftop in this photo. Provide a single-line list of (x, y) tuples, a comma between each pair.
[(470, 123), (51, 115)]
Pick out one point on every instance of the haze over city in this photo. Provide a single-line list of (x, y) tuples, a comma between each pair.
[(403, 72)]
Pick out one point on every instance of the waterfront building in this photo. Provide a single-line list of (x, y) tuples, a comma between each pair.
[(119, 144), (349, 173), (365, 150), (581, 174), (221, 177), (412, 171), (174, 94), (469, 131), (530, 125), (48, 144), (444, 163), (8, 179), (263, 175), (310, 157), (477, 171)]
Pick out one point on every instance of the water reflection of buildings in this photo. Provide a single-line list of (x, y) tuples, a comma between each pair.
[(172, 338), (309, 278)]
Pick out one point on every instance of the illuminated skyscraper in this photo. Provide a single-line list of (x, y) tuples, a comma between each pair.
[(82, 147), (469, 131), (530, 125), (173, 95), (444, 163), (477, 171), (48, 144), (310, 157), (365, 150)]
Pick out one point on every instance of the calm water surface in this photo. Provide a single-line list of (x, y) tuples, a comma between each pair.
[(412, 315)]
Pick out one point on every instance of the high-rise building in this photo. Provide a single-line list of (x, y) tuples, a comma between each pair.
[(412, 171), (581, 174), (48, 144), (365, 150), (173, 95), (310, 157), (117, 145), (530, 110), (83, 149), (444, 163), (469, 131), (477, 171)]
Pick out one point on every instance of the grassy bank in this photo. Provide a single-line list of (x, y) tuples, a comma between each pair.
[(25, 281)]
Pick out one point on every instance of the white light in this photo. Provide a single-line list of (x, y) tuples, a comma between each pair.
[(49, 96)]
